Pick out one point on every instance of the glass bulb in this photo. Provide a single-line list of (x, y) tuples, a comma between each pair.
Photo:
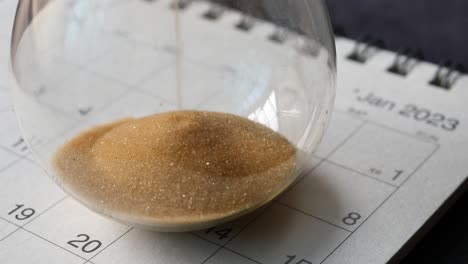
[(173, 115)]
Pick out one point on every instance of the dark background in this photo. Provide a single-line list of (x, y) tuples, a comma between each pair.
[(447, 241), (438, 29)]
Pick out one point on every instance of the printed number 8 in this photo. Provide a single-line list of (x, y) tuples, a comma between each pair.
[(351, 219)]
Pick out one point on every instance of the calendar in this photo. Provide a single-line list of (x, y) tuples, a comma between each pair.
[(394, 152)]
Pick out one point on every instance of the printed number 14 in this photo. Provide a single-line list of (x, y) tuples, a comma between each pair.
[(291, 258)]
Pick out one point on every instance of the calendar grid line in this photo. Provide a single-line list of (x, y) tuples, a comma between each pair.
[(324, 159), (84, 68), (360, 173), (59, 111), (386, 127), (421, 164), (148, 76), (115, 240), (405, 133), (307, 174), (46, 210), (207, 240), (388, 197), (43, 238), (240, 231), (212, 254), (11, 233), (237, 253), (313, 216), (143, 91), (335, 208), (355, 131), (13, 223), (18, 227), (300, 178), (357, 228), (132, 86), (75, 118), (338, 246), (103, 107), (129, 89), (18, 159)]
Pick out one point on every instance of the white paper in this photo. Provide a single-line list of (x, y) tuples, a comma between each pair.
[(378, 175)]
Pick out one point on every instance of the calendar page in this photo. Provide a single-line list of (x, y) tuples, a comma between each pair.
[(394, 152)]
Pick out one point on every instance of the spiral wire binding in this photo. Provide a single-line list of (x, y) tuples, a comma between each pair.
[(214, 13), (446, 75), (405, 61), (280, 34), (364, 49), (246, 23), (180, 4)]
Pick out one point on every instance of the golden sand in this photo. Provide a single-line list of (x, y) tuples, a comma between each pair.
[(178, 166)]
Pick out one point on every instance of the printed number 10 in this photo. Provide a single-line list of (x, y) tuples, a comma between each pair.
[(291, 258)]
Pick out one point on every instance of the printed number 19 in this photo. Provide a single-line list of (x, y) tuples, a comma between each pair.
[(23, 214)]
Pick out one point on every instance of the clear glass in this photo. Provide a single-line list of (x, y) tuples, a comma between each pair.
[(78, 64)]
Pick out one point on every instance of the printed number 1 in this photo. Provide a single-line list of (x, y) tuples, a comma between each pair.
[(291, 258)]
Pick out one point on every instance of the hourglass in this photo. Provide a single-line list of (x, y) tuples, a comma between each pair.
[(173, 115)]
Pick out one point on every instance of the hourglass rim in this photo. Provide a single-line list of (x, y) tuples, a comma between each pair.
[(27, 10)]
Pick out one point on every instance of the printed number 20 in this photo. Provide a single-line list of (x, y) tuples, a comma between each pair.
[(88, 247)]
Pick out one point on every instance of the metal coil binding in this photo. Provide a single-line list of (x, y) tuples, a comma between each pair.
[(405, 61), (365, 48), (279, 35), (246, 23), (447, 75), (309, 47), (180, 4), (214, 12)]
